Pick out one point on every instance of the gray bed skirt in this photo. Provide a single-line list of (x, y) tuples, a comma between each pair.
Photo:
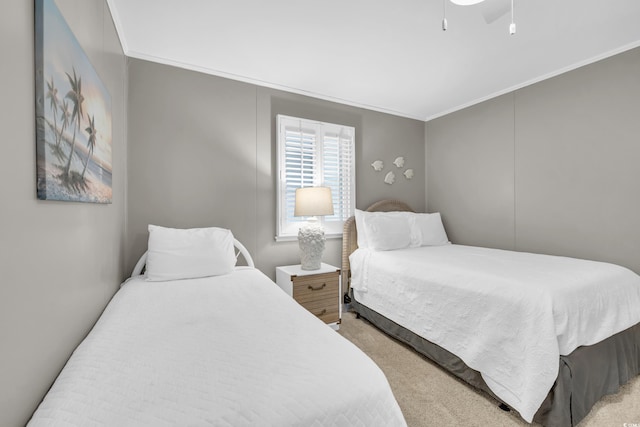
[(585, 376)]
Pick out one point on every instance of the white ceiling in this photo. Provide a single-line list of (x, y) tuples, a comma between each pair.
[(384, 55)]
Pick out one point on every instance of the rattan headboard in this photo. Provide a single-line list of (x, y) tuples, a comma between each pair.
[(350, 235)]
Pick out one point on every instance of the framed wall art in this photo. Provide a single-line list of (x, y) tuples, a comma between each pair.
[(73, 115)]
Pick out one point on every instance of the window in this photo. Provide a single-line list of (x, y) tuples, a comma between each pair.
[(312, 154)]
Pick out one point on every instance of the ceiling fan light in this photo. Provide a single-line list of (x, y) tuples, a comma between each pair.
[(466, 2)]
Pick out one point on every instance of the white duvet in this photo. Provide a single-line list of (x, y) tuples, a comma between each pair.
[(508, 315), (231, 350)]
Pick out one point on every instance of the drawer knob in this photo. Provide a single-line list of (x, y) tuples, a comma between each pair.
[(311, 288), (324, 311)]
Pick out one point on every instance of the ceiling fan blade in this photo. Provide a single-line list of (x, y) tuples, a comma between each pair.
[(492, 10)]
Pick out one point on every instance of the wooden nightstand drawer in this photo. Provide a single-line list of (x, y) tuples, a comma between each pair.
[(316, 290), (320, 294), (316, 287), (327, 310)]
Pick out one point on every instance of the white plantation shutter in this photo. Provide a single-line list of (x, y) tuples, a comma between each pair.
[(312, 154), (339, 174)]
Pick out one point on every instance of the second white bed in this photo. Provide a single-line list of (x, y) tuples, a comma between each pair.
[(508, 315)]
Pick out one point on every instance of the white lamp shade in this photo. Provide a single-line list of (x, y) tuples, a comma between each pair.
[(313, 201)]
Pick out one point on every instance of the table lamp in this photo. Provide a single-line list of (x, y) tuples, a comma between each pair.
[(312, 202)]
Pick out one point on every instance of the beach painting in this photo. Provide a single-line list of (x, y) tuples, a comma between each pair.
[(73, 115)]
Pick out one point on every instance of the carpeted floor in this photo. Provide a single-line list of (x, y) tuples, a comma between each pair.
[(429, 396)]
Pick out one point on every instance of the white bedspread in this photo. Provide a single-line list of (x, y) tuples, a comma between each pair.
[(232, 350), (508, 315)]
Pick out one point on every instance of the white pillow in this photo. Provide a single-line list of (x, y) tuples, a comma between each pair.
[(362, 233), (175, 254), (363, 239), (430, 229), (387, 231)]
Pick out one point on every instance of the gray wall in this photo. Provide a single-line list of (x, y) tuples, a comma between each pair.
[(551, 168), (60, 263), (202, 153)]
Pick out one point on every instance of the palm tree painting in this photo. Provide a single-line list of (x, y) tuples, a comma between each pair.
[(73, 115)]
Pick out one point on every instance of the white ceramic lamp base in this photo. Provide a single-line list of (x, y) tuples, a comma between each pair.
[(311, 241)]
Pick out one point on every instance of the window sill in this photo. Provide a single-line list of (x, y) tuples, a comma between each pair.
[(295, 238)]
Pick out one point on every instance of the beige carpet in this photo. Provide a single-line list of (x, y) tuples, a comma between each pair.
[(429, 396)]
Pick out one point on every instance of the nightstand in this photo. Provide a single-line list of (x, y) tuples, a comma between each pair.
[(316, 290)]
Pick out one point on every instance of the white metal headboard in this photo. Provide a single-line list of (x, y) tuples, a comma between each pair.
[(137, 270)]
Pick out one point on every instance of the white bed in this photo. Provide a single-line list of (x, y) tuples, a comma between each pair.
[(229, 350), (507, 316)]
